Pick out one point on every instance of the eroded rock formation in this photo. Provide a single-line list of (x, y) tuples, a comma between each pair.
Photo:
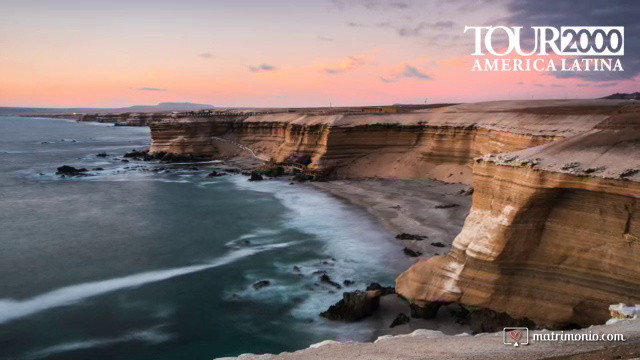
[(422, 144), (553, 234)]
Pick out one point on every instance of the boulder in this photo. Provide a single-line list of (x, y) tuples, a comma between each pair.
[(384, 290), (255, 176), (354, 306), (426, 311), (136, 154), (261, 284), (66, 170), (401, 319), (411, 253), (325, 279)]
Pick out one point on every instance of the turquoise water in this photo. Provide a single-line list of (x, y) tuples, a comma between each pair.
[(137, 262)]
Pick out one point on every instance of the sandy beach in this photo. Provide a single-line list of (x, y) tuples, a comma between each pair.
[(428, 208)]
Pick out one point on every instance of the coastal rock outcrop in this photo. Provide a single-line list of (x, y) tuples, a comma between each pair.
[(437, 143), (354, 306), (547, 242), (553, 233), (66, 170)]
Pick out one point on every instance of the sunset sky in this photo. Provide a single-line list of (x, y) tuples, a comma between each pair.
[(284, 53)]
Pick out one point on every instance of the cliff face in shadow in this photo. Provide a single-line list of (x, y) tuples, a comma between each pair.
[(553, 234)]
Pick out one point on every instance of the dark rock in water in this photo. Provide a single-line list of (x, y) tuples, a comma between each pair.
[(235, 297), (401, 319), (405, 236), (353, 306), (325, 279), (485, 320), (384, 290), (445, 206), (233, 170), (255, 176), (437, 244), (296, 269), (136, 154), (261, 284), (348, 282), (427, 311), (102, 155), (318, 272), (411, 253), (98, 169), (66, 170), (124, 160), (215, 174)]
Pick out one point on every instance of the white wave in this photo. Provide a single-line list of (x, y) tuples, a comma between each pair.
[(12, 309), (257, 234), (12, 152), (355, 248), (150, 336)]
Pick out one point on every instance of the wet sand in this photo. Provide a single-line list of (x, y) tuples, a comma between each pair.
[(429, 208)]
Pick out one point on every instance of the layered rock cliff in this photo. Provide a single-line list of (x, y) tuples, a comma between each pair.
[(553, 234), (423, 144)]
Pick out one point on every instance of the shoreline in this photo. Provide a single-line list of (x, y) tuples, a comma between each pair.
[(428, 208)]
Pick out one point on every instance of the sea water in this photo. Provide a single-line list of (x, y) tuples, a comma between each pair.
[(154, 261)]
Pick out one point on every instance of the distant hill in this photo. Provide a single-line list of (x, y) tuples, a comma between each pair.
[(631, 96), (162, 107)]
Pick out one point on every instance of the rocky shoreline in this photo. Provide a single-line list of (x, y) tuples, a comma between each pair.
[(553, 214)]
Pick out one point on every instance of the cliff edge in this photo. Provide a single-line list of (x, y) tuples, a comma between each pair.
[(553, 235)]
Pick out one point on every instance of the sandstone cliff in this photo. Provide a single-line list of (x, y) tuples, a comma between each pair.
[(421, 144), (553, 234)]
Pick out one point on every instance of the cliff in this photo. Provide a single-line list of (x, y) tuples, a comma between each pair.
[(553, 234), (435, 143)]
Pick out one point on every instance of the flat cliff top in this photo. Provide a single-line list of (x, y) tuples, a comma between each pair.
[(610, 150), (535, 117), (426, 344)]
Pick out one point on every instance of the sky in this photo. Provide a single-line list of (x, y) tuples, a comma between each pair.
[(281, 53)]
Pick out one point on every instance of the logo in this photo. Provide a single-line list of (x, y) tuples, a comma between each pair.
[(515, 336), (548, 48)]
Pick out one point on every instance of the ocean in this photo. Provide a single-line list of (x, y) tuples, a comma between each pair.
[(155, 261)]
